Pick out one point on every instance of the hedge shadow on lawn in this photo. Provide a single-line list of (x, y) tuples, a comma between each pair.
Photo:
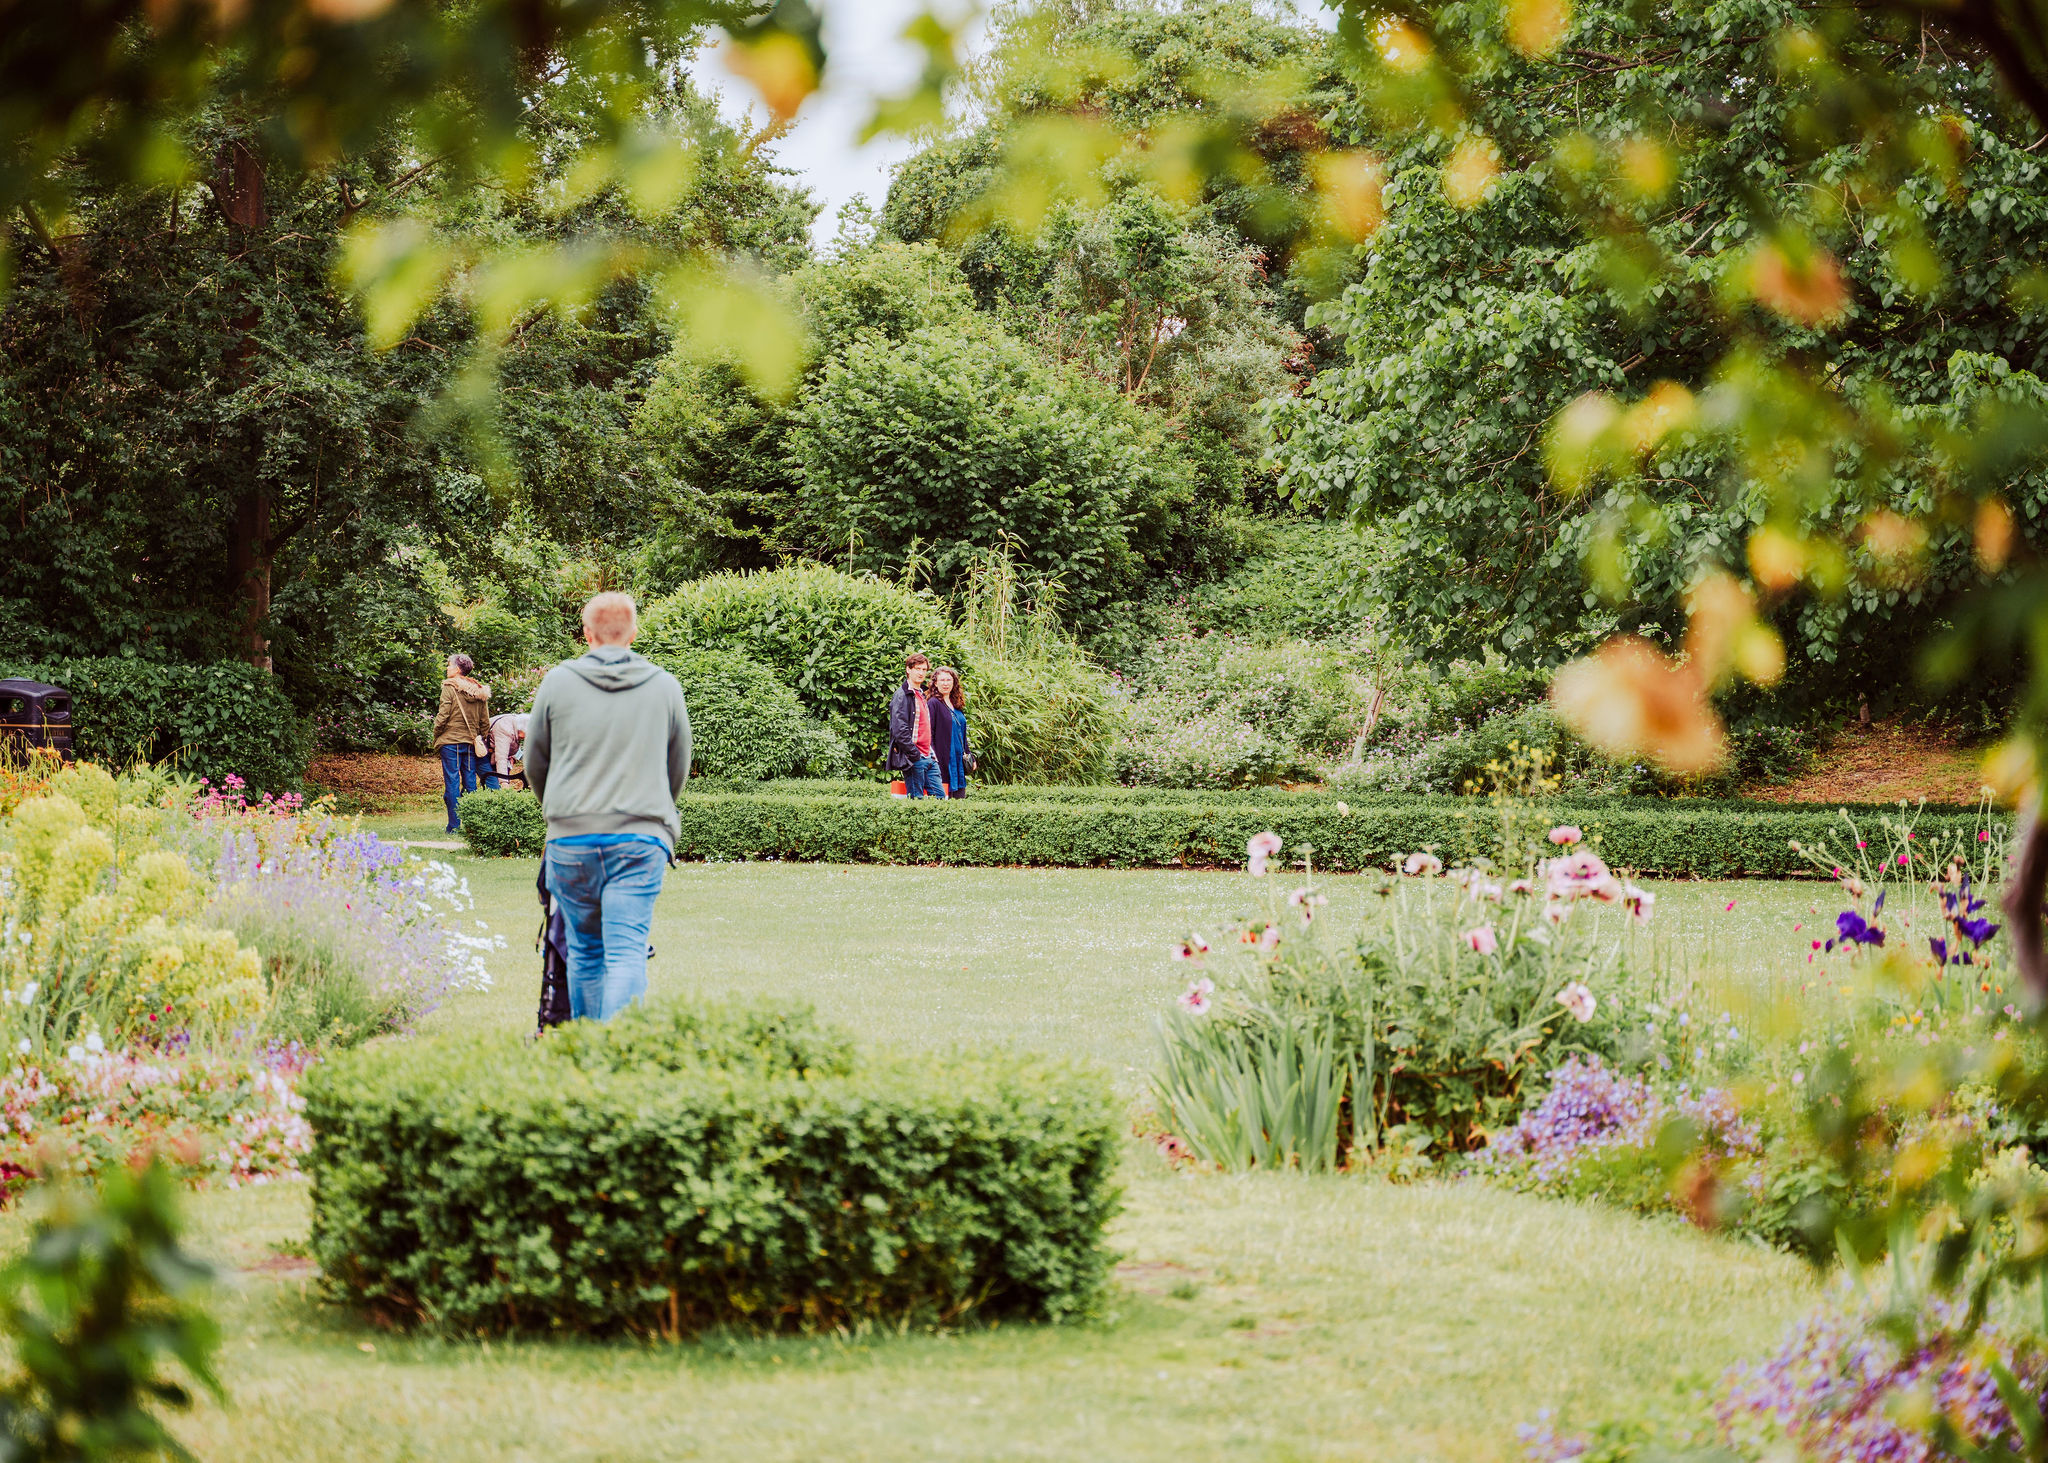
[(688, 1166), (840, 824)]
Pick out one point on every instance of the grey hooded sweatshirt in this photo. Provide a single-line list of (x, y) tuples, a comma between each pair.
[(608, 746)]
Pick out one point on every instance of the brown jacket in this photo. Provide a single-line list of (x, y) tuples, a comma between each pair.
[(464, 713)]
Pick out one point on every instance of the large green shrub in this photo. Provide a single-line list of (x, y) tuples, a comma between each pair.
[(1218, 711), (683, 1167), (837, 640), (500, 642), (211, 720), (744, 723), (953, 442)]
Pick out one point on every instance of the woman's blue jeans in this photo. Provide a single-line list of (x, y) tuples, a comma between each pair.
[(458, 776), (606, 894)]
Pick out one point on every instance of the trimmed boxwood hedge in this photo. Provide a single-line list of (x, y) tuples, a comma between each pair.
[(688, 1166), (845, 823), (502, 824), (211, 720)]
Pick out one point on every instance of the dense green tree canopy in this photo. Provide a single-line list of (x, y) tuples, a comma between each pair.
[(1489, 303)]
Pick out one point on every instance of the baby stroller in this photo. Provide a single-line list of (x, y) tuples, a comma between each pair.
[(553, 943)]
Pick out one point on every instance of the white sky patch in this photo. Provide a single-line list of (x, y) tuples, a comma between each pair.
[(865, 58)]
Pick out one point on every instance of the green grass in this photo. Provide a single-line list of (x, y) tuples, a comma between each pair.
[(1256, 1318), (1064, 960)]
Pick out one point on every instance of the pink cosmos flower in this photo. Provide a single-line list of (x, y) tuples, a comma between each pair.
[(1195, 999), (1482, 940), (1904, 859), (1983, 835), (1262, 847), (1565, 835), (1576, 999), (1731, 905), (1423, 863), (1194, 947)]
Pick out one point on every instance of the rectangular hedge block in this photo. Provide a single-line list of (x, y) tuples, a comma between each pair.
[(1674, 838), (682, 1167)]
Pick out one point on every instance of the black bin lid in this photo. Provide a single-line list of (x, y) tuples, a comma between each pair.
[(32, 691)]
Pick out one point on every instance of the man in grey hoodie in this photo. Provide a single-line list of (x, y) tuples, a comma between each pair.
[(607, 753)]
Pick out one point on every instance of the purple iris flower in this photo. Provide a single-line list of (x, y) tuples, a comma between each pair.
[(1940, 949), (1978, 930), (1852, 929)]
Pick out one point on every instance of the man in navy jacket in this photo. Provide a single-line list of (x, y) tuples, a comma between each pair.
[(910, 732)]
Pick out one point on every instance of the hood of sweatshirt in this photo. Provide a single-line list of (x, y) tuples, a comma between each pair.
[(614, 668)]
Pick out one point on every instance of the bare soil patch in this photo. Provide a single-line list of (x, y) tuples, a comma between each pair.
[(375, 779), (1884, 763)]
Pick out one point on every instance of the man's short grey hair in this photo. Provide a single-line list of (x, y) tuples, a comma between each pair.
[(610, 617)]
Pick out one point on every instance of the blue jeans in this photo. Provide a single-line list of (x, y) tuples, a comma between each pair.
[(923, 780), (606, 895), (458, 776)]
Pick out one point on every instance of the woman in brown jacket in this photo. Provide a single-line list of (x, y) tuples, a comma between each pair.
[(463, 716)]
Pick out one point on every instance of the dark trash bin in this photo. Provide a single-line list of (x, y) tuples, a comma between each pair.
[(35, 715)]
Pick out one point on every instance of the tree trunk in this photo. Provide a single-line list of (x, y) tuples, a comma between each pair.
[(2022, 901), (238, 189), (249, 566)]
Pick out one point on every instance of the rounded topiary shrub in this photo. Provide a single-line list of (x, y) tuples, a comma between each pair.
[(745, 724), (694, 1165), (837, 640)]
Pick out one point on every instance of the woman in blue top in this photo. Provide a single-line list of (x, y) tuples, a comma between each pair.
[(948, 705)]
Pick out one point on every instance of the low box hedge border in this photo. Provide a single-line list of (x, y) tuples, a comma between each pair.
[(1673, 839), (689, 1166)]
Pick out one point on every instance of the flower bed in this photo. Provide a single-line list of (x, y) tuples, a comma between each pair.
[(172, 955), (238, 1121)]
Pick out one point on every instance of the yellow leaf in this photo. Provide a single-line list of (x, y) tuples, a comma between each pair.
[(1776, 558), (725, 313), (1350, 184), (1717, 608), (1402, 46), (1891, 537), (1536, 27), (345, 11), (657, 168), (2012, 770), (395, 267), (1994, 534), (779, 67), (1576, 446), (1630, 700), (1647, 168), (1803, 285), (1470, 173), (1666, 408)]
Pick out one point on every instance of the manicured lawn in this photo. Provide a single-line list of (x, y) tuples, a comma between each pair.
[(1065, 960), (1257, 1318)]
